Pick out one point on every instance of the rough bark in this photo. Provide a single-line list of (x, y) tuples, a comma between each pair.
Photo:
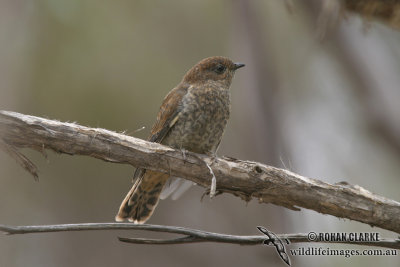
[(245, 179)]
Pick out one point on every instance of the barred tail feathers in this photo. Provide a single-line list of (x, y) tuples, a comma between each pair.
[(142, 199)]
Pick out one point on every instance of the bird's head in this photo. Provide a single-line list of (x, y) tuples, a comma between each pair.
[(212, 69)]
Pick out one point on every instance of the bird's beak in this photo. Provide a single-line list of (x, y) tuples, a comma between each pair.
[(239, 65)]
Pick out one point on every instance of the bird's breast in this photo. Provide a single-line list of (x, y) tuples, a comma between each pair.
[(202, 120)]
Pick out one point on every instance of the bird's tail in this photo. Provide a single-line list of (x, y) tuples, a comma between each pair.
[(143, 197)]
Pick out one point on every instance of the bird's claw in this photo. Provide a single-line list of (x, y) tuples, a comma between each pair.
[(183, 151)]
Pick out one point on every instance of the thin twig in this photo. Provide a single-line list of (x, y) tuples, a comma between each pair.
[(190, 235)]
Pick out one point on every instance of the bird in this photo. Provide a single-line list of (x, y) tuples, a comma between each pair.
[(192, 117)]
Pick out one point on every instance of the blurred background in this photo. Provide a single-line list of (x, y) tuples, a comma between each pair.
[(318, 96)]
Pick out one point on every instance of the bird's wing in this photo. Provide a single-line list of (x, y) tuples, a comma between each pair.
[(166, 118), (168, 114)]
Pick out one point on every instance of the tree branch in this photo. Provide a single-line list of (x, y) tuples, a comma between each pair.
[(386, 11), (189, 235), (245, 179)]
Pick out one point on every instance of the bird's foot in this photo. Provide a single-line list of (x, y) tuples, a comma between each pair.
[(183, 151), (213, 187)]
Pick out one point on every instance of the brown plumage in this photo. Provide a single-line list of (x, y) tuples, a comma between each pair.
[(193, 117)]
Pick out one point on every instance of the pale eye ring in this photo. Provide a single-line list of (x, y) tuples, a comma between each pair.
[(220, 69)]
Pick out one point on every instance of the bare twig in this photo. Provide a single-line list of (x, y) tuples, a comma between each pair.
[(190, 235), (23, 161), (245, 179)]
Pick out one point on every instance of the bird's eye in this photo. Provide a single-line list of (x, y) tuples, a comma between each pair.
[(220, 69)]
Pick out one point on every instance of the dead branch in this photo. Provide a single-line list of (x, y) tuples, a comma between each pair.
[(189, 235), (245, 179), (386, 11)]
